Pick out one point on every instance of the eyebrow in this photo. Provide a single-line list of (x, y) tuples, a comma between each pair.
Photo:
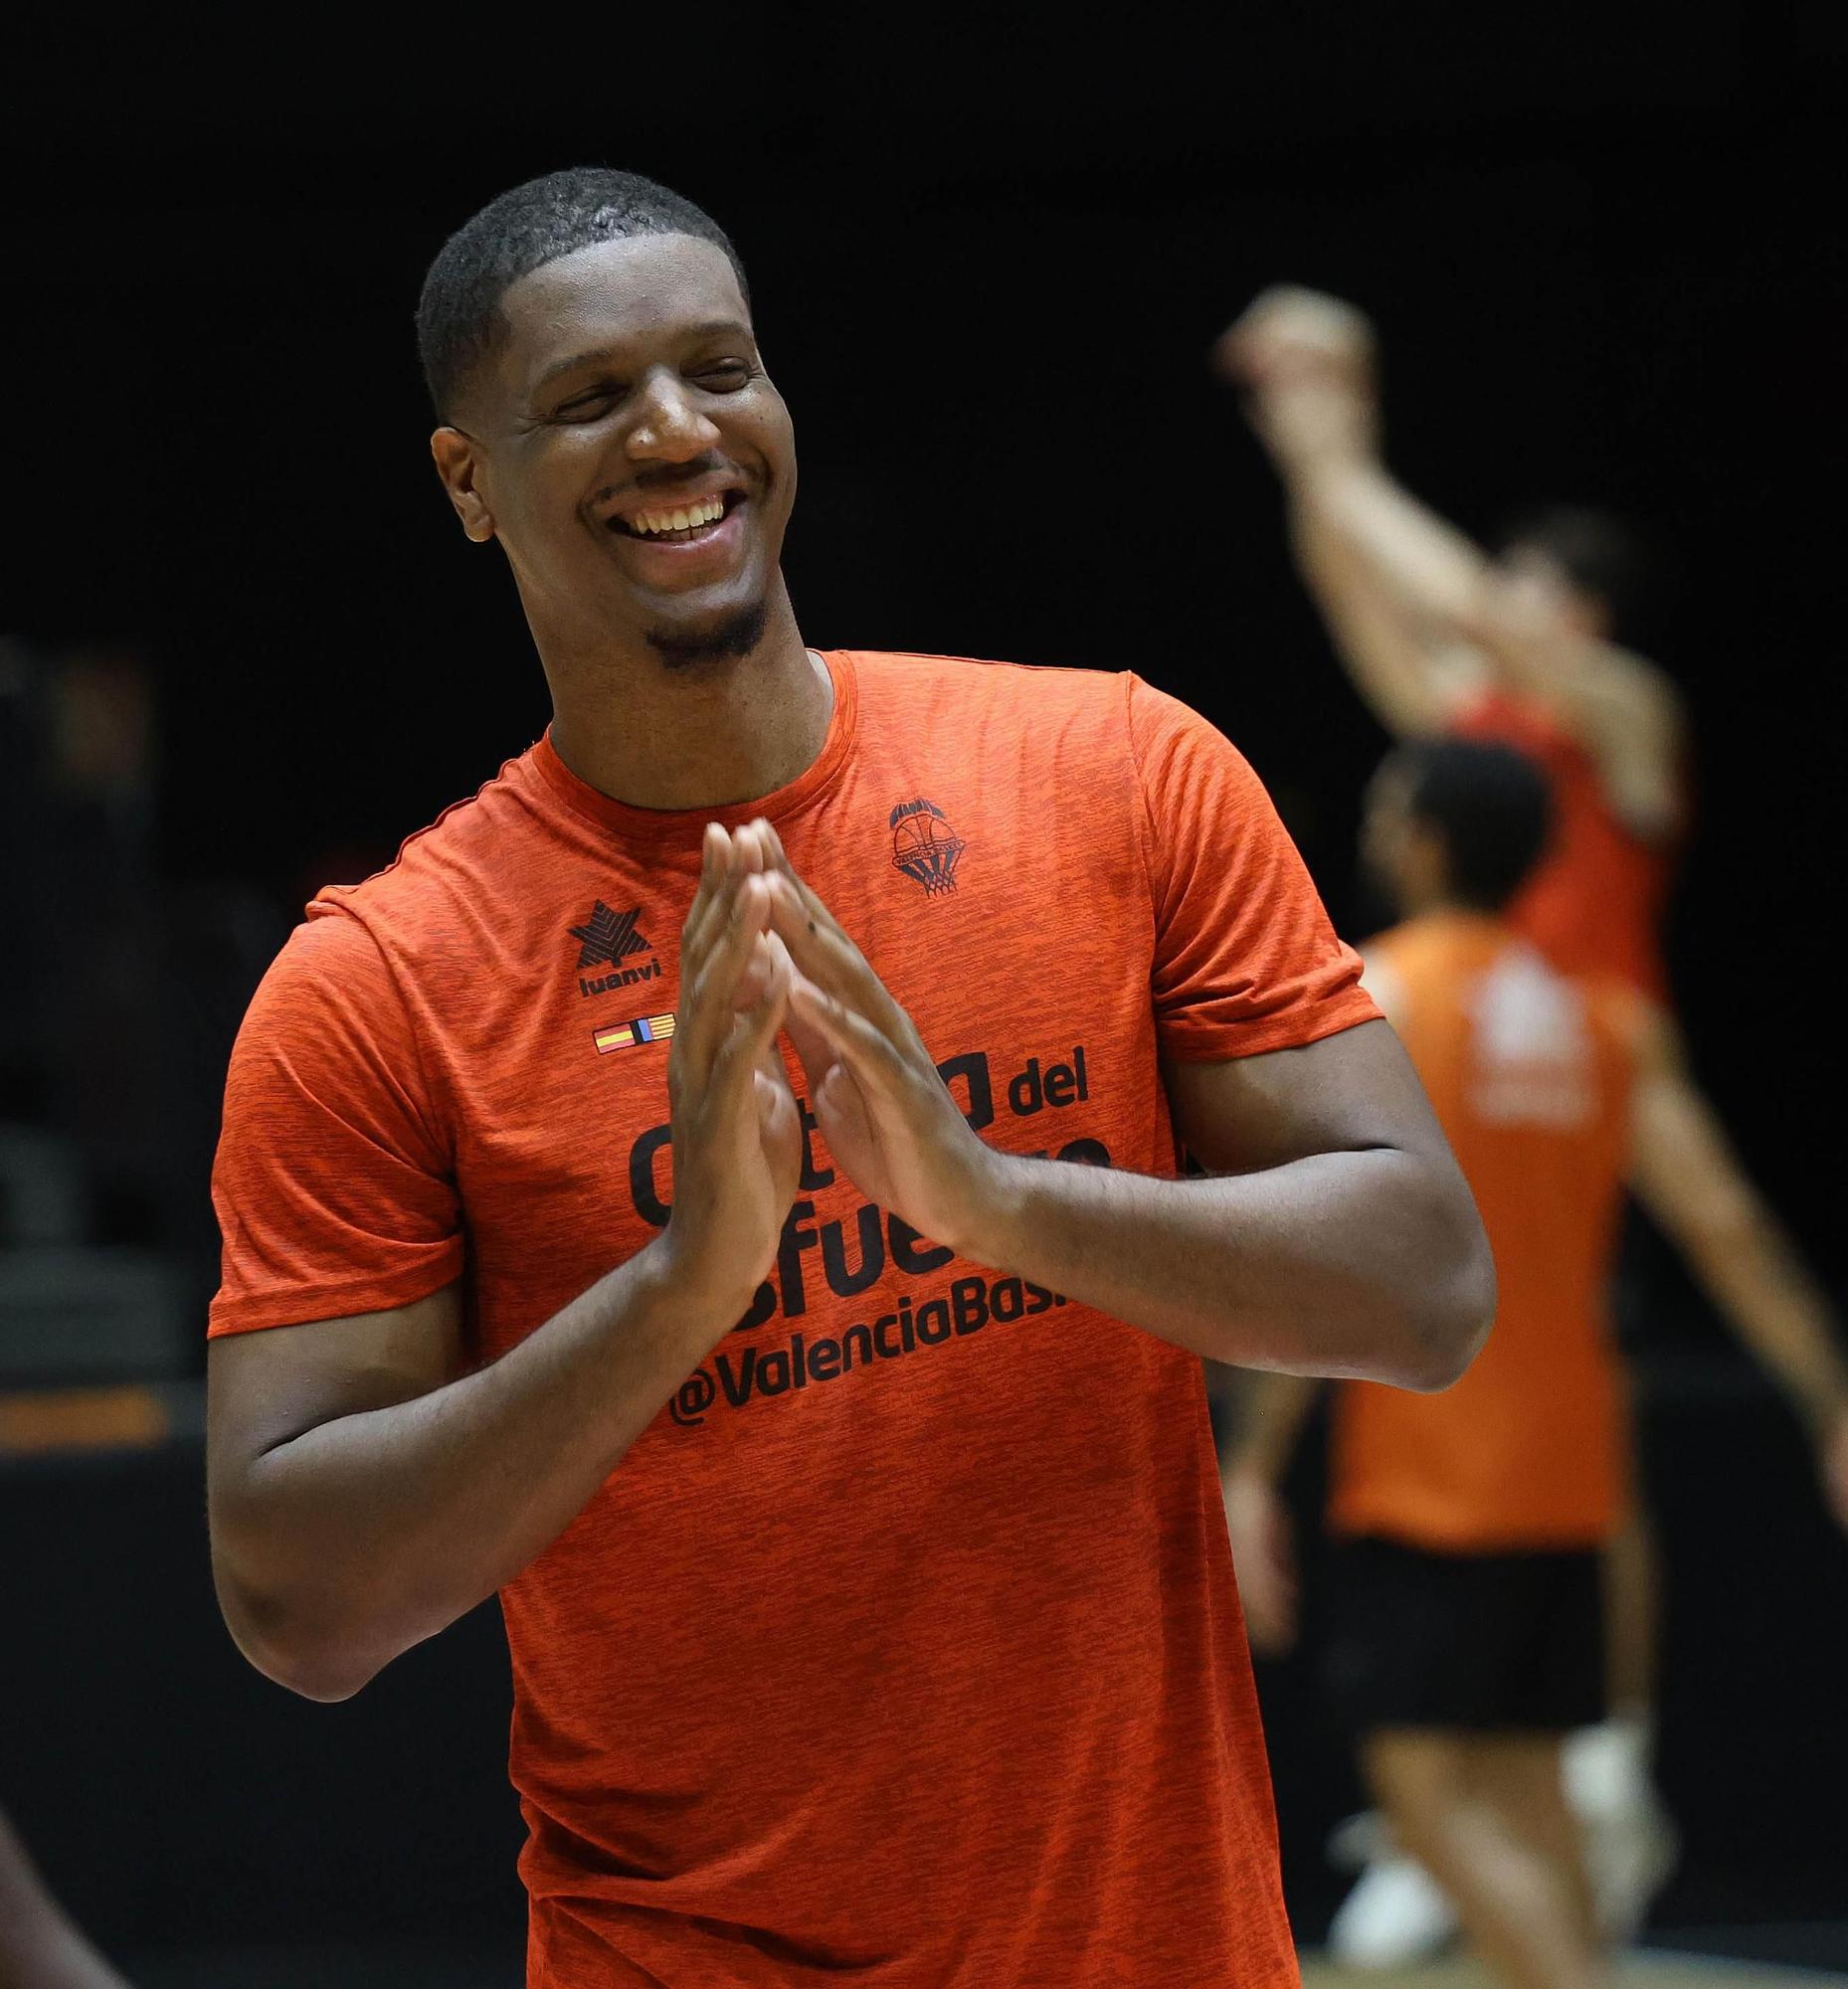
[(713, 329)]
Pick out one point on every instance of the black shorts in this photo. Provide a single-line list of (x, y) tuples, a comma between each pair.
[(1492, 1642)]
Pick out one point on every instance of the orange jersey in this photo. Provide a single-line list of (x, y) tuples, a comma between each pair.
[(1531, 1074), (1596, 901), (904, 1644)]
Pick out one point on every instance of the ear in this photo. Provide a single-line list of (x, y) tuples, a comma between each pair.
[(458, 464)]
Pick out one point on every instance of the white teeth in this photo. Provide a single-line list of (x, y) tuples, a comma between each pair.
[(704, 512)]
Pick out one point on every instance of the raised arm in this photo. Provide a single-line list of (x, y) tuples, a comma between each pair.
[(365, 1491), (1396, 586), (1418, 613), (1686, 1175)]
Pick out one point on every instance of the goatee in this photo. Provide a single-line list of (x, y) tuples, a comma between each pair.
[(736, 635)]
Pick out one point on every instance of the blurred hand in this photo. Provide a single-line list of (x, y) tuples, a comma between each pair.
[(1833, 1455), (1306, 362), (1290, 332), (887, 1117), (737, 1137), (1264, 1554)]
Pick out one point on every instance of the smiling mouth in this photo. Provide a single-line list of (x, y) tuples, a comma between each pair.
[(678, 524)]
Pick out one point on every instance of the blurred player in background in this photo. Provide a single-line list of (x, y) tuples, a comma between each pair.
[(1465, 1593), (1442, 639)]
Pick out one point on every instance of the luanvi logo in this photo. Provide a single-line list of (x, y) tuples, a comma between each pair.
[(611, 937)]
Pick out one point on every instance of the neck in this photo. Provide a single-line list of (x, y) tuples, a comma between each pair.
[(695, 737)]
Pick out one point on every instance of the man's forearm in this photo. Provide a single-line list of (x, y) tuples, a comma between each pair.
[(1754, 1274), (363, 1536), (1688, 1178), (1339, 1264), (1351, 505)]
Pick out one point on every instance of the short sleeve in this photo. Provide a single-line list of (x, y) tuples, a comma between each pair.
[(333, 1190), (1245, 959)]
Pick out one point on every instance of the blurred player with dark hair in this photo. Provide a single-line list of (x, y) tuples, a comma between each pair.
[(1466, 1593)]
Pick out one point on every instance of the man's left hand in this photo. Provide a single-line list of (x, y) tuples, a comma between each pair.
[(888, 1119)]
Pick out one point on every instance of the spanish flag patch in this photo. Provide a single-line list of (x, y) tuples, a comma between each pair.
[(622, 1036)]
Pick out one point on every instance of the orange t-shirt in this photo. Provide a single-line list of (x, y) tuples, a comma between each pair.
[(1595, 902), (905, 1642), (1530, 1074)]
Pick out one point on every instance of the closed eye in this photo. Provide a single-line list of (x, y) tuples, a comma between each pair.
[(586, 407), (723, 376)]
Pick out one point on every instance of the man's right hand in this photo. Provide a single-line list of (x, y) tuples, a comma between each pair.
[(737, 1137), (1265, 1556)]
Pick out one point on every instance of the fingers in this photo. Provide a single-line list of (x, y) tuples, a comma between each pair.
[(806, 899), (748, 885), (825, 957), (813, 1049), (710, 986), (719, 875), (840, 1034), (727, 856), (748, 1053)]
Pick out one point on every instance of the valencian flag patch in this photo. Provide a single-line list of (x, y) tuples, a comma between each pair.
[(622, 1035)]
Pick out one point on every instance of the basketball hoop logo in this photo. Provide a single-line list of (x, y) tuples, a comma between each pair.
[(925, 847)]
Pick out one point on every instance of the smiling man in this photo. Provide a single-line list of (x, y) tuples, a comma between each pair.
[(718, 1189)]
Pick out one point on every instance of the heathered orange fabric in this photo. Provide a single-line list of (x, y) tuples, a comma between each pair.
[(905, 1645), (1594, 904), (1530, 1074)]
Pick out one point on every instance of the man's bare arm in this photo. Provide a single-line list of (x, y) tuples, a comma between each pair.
[(365, 1492), (1393, 582), (1686, 1175), (1410, 601), (1406, 666), (1337, 1238)]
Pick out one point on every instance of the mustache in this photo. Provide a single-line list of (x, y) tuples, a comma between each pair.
[(670, 476)]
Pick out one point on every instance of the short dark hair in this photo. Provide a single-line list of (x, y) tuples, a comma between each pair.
[(1492, 806), (1601, 555), (458, 316)]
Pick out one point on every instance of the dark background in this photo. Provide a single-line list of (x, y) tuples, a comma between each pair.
[(987, 265)]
